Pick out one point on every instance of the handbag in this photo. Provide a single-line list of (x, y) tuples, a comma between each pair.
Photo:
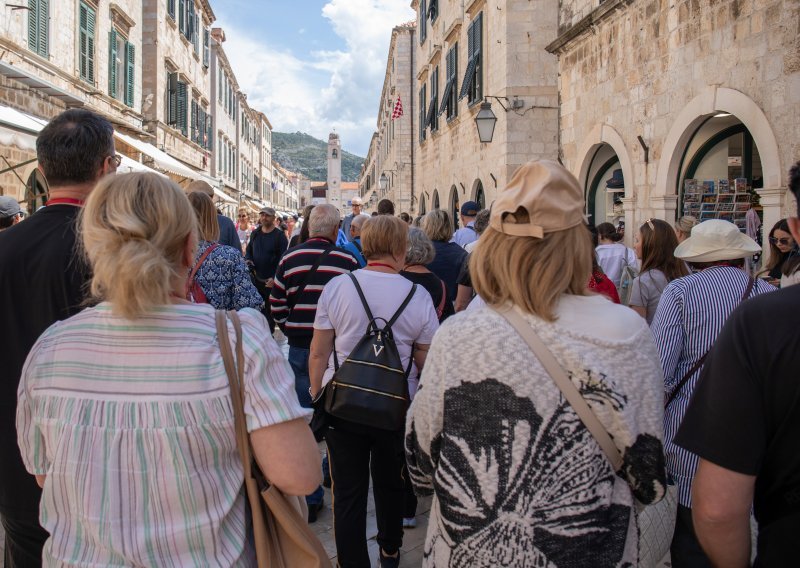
[(282, 537), (628, 275), (656, 522), (194, 293)]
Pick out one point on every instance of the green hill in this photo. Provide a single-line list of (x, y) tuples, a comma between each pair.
[(302, 153)]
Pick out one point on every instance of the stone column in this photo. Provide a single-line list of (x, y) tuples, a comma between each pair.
[(629, 207), (772, 201), (664, 207)]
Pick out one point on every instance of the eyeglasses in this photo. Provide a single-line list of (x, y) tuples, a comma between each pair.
[(785, 241), (116, 159), (242, 216)]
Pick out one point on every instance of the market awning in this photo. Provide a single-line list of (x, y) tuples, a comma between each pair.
[(129, 165), (36, 84)]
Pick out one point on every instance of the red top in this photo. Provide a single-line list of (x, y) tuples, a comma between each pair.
[(600, 283)]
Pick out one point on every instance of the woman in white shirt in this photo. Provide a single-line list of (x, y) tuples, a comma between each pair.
[(356, 450), (612, 255)]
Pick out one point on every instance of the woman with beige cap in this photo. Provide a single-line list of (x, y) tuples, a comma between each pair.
[(517, 478), (690, 315)]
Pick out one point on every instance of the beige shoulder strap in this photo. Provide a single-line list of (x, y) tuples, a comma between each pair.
[(563, 382)]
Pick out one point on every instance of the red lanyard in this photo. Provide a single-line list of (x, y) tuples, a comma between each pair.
[(383, 264), (65, 201)]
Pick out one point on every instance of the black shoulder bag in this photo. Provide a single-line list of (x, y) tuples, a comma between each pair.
[(302, 287)]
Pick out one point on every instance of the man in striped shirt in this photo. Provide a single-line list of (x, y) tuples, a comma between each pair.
[(302, 274)]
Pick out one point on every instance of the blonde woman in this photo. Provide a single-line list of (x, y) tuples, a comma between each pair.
[(683, 227), (243, 227), (517, 479), (124, 414), (218, 270)]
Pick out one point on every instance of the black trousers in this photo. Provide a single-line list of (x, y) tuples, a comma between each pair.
[(685, 550), (410, 498), (265, 292), (25, 539), (355, 452)]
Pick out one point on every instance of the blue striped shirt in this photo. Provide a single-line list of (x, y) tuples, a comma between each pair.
[(690, 315)]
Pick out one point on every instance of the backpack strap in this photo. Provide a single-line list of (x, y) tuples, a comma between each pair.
[(361, 296), (751, 282), (402, 307), (198, 264)]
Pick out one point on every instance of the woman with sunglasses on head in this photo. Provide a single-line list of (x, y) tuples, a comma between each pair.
[(655, 245), (243, 227), (781, 248)]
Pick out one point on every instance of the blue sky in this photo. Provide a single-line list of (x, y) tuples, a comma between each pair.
[(313, 65)]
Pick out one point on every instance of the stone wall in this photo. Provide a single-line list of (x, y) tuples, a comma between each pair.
[(647, 67)]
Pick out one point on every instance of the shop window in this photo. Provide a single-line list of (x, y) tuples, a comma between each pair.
[(38, 24), (472, 85), (86, 42)]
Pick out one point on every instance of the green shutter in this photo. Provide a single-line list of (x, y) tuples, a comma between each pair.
[(130, 72), (193, 123), (205, 47), (172, 95), (182, 16), (112, 64), (33, 25), (171, 8), (90, 27), (44, 44), (182, 107)]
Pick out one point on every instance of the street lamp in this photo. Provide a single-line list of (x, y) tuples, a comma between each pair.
[(485, 120), (383, 182)]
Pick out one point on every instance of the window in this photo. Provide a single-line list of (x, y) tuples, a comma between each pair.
[(38, 14), (171, 8), (121, 67), (181, 16), (450, 94), (472, 85), (172, 99), (433, 9), (195, 39), (86, 25), (422, 107), (334, 153), (177, 108), (206, 39), (221, 75), (423, 22), (432, 119)]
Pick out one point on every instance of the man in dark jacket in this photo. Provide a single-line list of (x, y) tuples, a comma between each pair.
[(264, 250)]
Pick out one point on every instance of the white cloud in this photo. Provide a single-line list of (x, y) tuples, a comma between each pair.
[(332, 89)]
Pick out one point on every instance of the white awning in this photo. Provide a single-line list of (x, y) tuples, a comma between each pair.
[(129, 165), (161, 159)]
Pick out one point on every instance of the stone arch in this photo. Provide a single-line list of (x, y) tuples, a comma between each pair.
[(453, 205), (478, 194), (435, 200), (599, 135), (423, 204), (714, 100)]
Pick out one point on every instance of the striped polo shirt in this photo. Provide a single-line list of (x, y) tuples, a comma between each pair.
[(690, 315), (131, 422), (292, 271)]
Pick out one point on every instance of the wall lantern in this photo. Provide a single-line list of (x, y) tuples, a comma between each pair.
[(485, 120), (383, 182)]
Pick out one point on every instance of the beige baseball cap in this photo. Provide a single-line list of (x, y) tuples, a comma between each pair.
[(542, 197)]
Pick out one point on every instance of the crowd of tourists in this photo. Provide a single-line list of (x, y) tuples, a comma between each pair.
[(565, 399)]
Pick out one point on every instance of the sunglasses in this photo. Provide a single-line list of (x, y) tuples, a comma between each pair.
[(649, 223), (785, 241)]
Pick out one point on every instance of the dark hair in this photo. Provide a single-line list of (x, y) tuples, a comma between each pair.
[(72, 147), (658, 247), (385, 207), (794, 183), (405, 217), (374, 214), (305, 227), (6, 222), (776, 257), (608, 231)]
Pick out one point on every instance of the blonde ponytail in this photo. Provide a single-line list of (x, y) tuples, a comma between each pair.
[(134, 230)]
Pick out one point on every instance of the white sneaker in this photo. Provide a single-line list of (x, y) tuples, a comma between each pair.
[(410, 523)]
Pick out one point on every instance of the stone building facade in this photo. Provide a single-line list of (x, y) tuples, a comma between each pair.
[(471, 52), (390, 155), (670, 91), (71, 53)]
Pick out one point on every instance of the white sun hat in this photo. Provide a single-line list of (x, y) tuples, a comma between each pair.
[(715, 240)]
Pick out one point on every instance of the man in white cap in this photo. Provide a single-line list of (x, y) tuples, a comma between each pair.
[(690, 315), (743, 422), (356, 205)]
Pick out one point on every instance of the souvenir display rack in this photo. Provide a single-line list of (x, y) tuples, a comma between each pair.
[(724, 199)]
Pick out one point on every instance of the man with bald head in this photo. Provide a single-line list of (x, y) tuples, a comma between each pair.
[(354, 246), (227, 230)]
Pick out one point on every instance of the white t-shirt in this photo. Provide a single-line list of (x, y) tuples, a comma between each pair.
[(340, 309), (611, 259)]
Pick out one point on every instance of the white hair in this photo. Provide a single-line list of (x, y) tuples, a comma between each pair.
[(358, 220), (324, 219)]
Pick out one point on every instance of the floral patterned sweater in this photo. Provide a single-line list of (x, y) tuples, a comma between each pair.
[(516, 477)]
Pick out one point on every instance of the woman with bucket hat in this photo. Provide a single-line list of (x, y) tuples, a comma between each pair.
[(690, 315), (518, 477)]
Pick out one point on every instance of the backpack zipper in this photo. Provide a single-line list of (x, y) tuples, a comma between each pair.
[(381, 393)]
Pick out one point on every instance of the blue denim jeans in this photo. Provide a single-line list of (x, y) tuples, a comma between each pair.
[(298, 359)]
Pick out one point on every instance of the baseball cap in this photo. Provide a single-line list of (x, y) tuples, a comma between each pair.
[(8, 207), (541, 197), (470, 209), (268, 211)]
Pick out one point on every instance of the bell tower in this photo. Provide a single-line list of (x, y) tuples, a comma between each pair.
[(334, 162)]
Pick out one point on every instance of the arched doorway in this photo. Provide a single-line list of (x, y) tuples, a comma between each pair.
[(454, 206), (435, 201), (422, 205), (480, 196), (604, 187)]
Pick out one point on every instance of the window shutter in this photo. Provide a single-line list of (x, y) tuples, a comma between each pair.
[(90, 27), (43, 14), (171, 8), (33, 25), (182, 110), (172, 92), (83, 42), (112, 64), (209, 132), (182, 16), (423, 21), (130, 72), (193, 123), (477, 83), (205, 47), (189, 20)]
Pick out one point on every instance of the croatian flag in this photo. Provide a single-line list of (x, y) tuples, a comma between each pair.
[(398, 109)]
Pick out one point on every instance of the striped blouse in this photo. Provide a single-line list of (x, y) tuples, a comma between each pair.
[(132, 423), (690, 315)]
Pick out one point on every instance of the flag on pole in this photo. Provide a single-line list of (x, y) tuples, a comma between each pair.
[(398, 109)]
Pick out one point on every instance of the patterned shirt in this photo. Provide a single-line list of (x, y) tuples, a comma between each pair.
[(517, 478), (131, 421), (690, 315), (224, 279)]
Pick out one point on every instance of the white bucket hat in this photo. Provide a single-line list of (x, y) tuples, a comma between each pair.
[(715, 240)]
